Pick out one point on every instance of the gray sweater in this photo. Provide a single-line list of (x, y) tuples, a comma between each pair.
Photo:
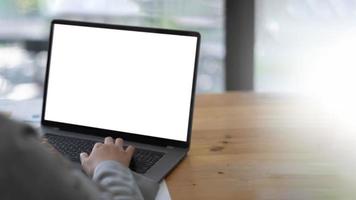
[(29, 171)]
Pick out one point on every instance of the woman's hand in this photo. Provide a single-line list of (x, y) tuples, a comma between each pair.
[(110, 150)]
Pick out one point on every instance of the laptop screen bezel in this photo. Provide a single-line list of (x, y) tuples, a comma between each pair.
[(125, 135)]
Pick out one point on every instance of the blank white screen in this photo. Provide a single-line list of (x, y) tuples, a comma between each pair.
[(120, 80)]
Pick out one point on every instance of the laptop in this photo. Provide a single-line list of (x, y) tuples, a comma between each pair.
[(134, 83)]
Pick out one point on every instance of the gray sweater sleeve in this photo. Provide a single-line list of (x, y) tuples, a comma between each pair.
[(118, 182)]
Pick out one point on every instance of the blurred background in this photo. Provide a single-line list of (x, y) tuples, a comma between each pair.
[(24, 29), (280, 46)]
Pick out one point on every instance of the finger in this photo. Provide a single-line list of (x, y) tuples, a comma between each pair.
[(119, 142), (83, 157), (108, 140), (97, 145), (130, 150)]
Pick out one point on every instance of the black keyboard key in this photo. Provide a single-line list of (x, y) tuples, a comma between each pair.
[(71, 147)]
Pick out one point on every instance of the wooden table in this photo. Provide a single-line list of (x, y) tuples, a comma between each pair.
[(260, 146)]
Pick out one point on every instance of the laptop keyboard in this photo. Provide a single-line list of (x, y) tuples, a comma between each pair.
[(71, 147)]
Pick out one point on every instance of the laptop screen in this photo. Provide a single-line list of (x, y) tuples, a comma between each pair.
[(122, 80)]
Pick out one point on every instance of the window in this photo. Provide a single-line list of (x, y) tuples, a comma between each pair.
[(305, 46)]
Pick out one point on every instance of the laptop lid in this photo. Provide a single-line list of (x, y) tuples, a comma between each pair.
[(131, 82)]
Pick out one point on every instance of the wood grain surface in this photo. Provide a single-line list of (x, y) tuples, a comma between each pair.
[(262, 146)]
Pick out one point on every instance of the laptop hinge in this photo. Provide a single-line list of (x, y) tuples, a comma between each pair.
[(170, 147)]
